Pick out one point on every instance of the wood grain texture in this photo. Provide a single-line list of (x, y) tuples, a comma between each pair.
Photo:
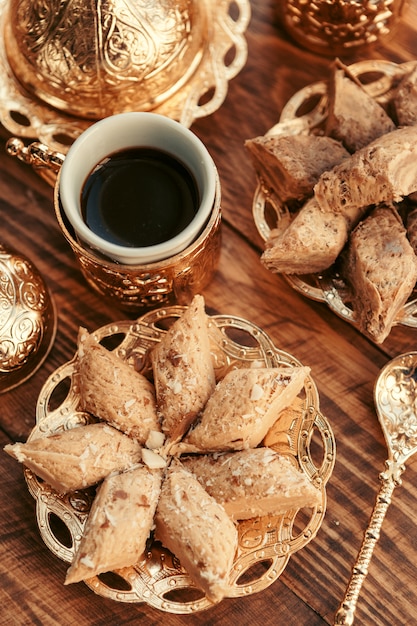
[(344, 365)]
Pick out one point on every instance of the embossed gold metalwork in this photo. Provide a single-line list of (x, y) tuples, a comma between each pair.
[(36, 154), (27, 319), (139, 287), (265, 544), (338, 27), (395, 396), (134, 287), (184, 53), (379, 79), (94, 58)]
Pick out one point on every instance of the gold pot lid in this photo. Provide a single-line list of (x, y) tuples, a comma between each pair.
[(94, 58), (27, 319), (64, 66)]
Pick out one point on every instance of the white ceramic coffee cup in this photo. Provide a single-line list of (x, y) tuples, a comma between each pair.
[(130, 130)]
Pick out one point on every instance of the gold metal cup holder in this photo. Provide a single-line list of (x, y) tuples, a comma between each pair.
[(134, 287)]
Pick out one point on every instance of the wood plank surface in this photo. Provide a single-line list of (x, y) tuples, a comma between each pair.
[(343, 362)]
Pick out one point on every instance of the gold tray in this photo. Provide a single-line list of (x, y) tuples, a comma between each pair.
[(202, 95), (305, 113), (265, 544)]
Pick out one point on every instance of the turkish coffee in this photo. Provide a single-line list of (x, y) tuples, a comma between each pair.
[(139, 197)]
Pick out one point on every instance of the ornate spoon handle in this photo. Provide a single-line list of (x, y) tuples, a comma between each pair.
[(390, 479), (36, 154)]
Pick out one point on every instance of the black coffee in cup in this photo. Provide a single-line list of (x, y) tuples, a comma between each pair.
[(139, 197)]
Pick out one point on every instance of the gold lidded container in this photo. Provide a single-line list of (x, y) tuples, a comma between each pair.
[(339, 27), (94, 58), (66, 64), (27, 319)]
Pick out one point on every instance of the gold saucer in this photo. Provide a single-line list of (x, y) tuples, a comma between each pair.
[(265, 543), (306, 113)]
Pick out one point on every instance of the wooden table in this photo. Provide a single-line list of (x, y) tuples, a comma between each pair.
[(344, 365)]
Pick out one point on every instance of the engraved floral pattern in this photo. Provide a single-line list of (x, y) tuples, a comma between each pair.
[(342, 23), (397, 407), (106, 53), (57, 123), (22, 304)]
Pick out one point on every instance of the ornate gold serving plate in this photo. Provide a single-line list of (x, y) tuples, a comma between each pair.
[(305, 113), (65, 65), (265, 544)]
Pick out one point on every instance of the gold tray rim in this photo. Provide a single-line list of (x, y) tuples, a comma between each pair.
[(328, 287), (261, 540)]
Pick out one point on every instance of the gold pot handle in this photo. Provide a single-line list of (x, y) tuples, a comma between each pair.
[(36, 154)]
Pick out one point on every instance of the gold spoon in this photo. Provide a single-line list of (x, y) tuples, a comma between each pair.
[(27, 319), (395, 396)]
